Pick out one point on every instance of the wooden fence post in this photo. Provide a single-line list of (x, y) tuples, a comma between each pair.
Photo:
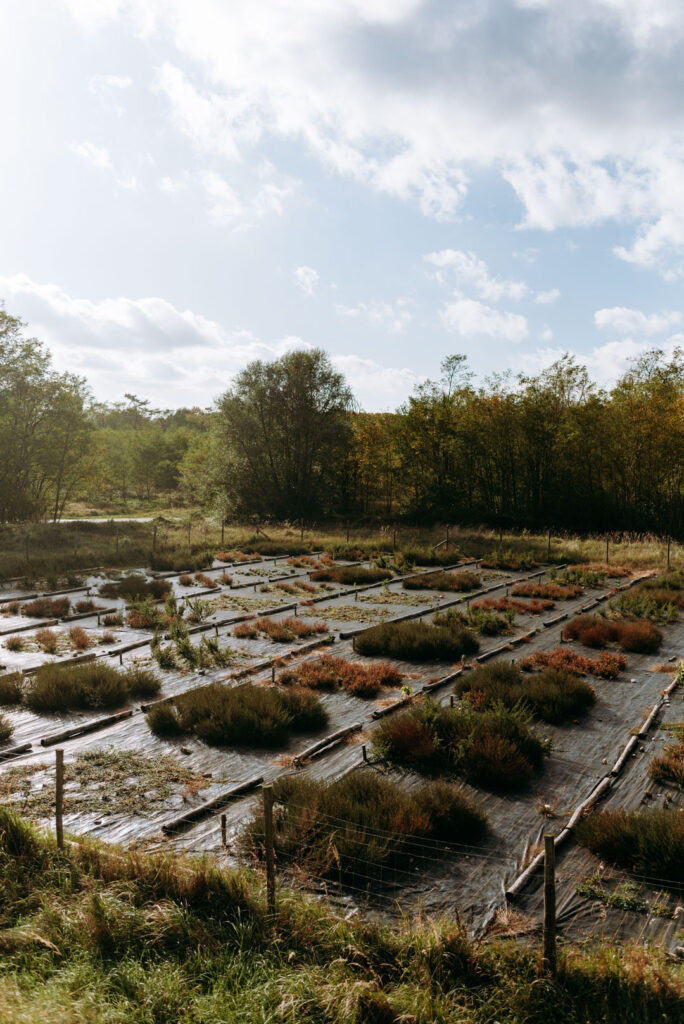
[(301, 532), (669, 542), (59, 796), (269, 849), (447, 538), (223, 830), (548, 548), (607, 550), (549, 904)]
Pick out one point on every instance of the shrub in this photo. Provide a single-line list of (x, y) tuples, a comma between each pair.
[(144, 614), (351, 575), (181, 561), (47, 608), (605, 666), (414, 640), (509, 561), (649, 842), (47, 639), (204, 580), (554, 694), (6, 729), (90, 685), (163, 721), (657, 605), (186, 580), (246, 629), (595, 631), (113, 619), (15, 643), (494, 748), (247, 714), (458, 581), (135, 587), (330, 673), (382, 823), (283, 631), (506, 604), (10, 689), (552, 591), (483, 621), (79, 639), (668, 766), (85, 606)]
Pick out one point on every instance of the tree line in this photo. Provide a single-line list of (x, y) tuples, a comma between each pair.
[(287, 441)]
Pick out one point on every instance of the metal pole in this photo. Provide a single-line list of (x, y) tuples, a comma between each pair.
[(59, 796), (269, 849), (549, 904)]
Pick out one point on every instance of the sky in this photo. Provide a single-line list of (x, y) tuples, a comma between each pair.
[(188, 185)]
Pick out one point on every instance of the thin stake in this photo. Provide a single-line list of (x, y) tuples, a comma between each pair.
[(549, 904), (59, 796), (363, 752), (269, 849), (223, 831)]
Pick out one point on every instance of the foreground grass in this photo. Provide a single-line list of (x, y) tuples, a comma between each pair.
[(93, 935)]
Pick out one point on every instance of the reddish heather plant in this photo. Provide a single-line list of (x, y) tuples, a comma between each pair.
[(605, 666), (552, 591), (79, 639), (47, 639), (503, 604), (641, 637), (330, 673)]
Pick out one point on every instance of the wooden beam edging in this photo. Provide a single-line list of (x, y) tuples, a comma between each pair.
[(327, 741), (82, 730), (7, 755), (176, 824)]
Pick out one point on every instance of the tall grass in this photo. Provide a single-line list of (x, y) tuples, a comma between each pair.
[(649, 842), (93, 684), (553, 694), (414, 640), (247, 715)]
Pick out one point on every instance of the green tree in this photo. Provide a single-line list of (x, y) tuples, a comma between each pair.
[(279, 431)]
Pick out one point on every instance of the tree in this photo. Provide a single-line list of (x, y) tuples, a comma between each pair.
[(279, 431), (44, 428)]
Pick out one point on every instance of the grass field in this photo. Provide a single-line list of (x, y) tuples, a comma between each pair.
[(95, 936), (41, 550)]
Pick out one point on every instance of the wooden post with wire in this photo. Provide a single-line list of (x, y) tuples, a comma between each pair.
[(59, 796), (223, 831), (269, 849), (549, 904)]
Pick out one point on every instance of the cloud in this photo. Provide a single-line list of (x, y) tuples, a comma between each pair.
[(173, 356), (547, 298), (307, 279), (393, 317), (605, 363), (229, 208), (96, 156), (632, 321), (577, 105), (377, 387), (471, 319), (546, 334), (472, 273), (108, 83)]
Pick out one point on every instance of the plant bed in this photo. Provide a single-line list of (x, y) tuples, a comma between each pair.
[(547, 591), (93, 684), (554, 695), (668, 767), (445, 581), (247, 715), (605, 666), (283, 631), (331, 673), (414, 640), (103, 781), (46, 608), (494, 748), (360, 822), (181, 561), (650, 842), (351, 575), (641, 637)]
